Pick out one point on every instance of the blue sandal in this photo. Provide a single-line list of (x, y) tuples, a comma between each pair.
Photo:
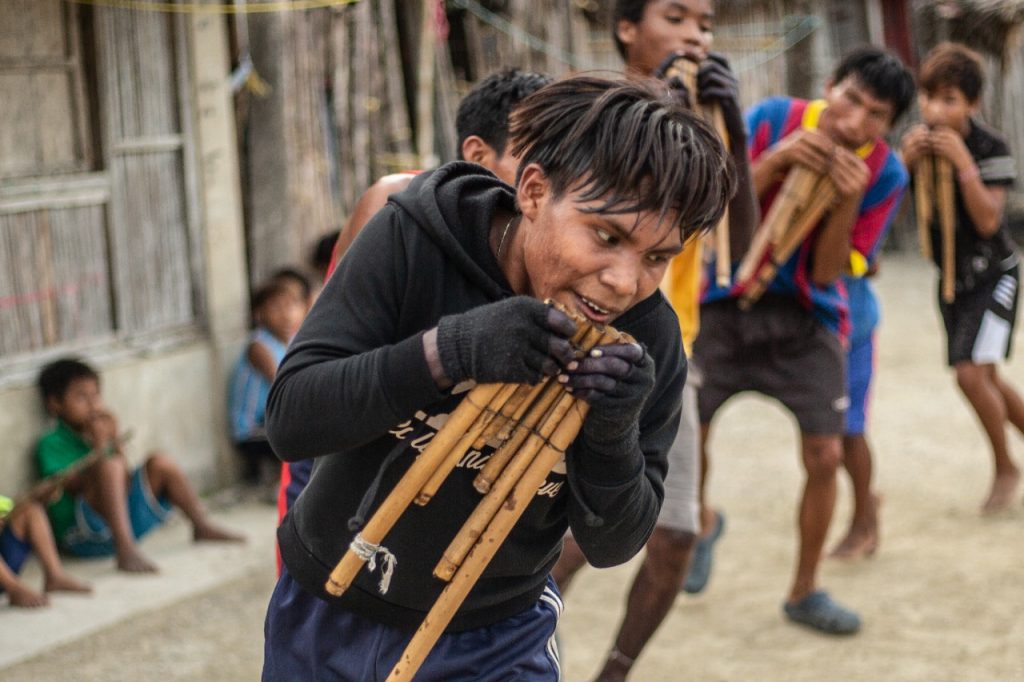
[(703, 555), (818, 611)]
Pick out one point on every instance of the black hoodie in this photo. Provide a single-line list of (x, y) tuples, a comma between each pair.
[(355, 387)]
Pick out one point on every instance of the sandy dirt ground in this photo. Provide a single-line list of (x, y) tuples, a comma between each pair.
[(942, 600)]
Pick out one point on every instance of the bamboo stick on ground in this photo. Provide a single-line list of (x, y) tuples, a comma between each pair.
[(947, 225), (508, 514), (409, 486), (924, 198)]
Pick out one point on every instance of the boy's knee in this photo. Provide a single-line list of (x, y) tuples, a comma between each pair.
[(159, 462), (822, 455), (968, 376), (670, 547), (110, 467)]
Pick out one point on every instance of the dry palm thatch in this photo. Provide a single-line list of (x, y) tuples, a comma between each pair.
[(992, 26)]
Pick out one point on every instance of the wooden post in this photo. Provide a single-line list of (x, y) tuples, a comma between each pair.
[(425, 88)]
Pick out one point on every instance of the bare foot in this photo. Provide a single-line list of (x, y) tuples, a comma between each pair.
[(65, 582), (862, 539), (24, 598), (209, 532), (856, 545), (1004, 489), (612, 672), (134, 561)]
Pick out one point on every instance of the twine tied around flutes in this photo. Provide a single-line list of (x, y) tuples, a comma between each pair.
[(367, 551)]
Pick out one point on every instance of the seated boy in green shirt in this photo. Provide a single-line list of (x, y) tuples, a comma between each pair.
[(105, 508)]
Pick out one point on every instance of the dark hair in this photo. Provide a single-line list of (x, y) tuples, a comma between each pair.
[(630, 10), (881, 72), (287, 274), (954, 65), (320, 254), (484, 111), (628, 143), (55, 377), (267, 292)]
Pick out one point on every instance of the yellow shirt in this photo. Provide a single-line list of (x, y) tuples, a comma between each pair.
[(681, 286)]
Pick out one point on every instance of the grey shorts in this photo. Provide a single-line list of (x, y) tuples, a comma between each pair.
[(776, 348), (681, 509)]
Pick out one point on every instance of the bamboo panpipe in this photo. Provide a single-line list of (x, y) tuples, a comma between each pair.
[(501, 525), (508, 413), (507, 465), (408, 487), (478, 521), (487, 416), (947, 225), (542, 422), (803, 224), (803, 199), (522, 428), (793, 196), (924, 195), (686, 70), (465, 425)]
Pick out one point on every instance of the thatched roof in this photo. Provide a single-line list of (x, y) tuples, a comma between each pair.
[(992, 26)]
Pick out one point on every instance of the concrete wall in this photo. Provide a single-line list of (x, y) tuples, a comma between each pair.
[(166, 400)]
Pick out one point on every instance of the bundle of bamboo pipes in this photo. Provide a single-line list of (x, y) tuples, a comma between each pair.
[(535, 425), (933, 185), (686, 70), (803, 199)]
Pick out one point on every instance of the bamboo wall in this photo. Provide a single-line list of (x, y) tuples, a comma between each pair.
[(344, 106), (335, 119), (1002, 48), (96, 225)]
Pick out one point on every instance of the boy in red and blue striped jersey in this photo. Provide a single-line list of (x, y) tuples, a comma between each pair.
[(790, 345)]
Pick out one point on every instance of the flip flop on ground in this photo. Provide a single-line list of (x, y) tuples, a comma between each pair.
[(818, 611)]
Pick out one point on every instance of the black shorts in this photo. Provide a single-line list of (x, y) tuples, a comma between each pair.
[(778, 349), (979, 323)]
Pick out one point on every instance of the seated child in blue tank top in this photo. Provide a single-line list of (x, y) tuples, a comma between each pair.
[(277, 313)]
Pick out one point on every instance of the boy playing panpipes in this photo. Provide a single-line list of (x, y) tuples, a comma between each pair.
[(980, 320), (789, 345), (443, 289), (651, 36), (481, 124)]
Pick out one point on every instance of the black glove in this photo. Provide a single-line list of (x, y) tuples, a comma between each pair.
[(616, 380), (674, 82), (516, 340), (717, 84)]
